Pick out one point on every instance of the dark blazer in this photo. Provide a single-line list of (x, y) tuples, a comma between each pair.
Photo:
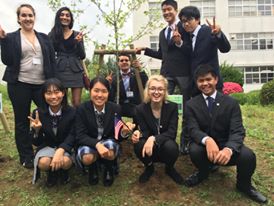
[(224, 126), (86, 125), (69, 57), (136, 99), (168, 122), (11, 53), (65, 137), (175, 60), (206, 50)]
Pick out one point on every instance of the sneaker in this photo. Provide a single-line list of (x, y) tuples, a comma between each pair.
[(144, 177), (174, 175)]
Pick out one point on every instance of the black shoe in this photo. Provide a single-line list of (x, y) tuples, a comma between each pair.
[(108, 177), (195, 179), (93, 177), (184, 149), (144, 177), (173, 174), (253, 194), (64, 176), (28, 163), (52, 178)]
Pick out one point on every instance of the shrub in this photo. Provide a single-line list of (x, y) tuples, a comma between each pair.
[(230, 73), (250, 98), (232, 87), (267, 93)]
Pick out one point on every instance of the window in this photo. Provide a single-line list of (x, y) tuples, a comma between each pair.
[(154, 42), (250, 7), (258, 75), (252, 41), (154, 9), (206, 7)]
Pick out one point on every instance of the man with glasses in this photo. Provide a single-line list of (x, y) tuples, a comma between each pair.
[(175, 53), (206, 41), (129, 95)]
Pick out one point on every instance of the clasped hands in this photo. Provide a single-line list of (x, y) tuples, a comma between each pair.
[(215, 155)]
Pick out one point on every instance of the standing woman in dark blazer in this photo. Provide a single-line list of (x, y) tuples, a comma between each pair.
[(70, 51), (158, 120), (53, 133), (29, 58), (95, 132)]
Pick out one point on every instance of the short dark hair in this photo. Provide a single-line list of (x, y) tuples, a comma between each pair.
[(190, 12), (55, 83), (124, 54), (100, 79), (203, 70), (171, 3)]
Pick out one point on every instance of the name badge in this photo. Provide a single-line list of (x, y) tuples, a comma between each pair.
[(129, 93), (36, 60)]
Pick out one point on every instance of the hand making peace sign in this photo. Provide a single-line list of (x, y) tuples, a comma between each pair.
[(177, 38), (35, 123), (216, 29)]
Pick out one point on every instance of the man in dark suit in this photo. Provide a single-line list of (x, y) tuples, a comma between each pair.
[(215, 126), (129, 95), (206, 41), (175, 53)]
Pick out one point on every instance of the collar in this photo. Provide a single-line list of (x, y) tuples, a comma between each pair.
[(128, 73), (213, 95), (196, 30), (59, 113), (96, 111)]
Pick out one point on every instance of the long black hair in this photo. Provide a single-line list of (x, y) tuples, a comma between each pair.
[(57, 32), (53, 82), (101, 80)]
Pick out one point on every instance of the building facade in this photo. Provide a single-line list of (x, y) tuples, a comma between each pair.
[(248, 25)]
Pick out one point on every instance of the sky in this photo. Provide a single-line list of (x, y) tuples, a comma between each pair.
[(45, 20)]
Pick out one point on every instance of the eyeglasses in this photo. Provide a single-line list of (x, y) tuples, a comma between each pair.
[(187, 20), (123, 60), (154, 89)]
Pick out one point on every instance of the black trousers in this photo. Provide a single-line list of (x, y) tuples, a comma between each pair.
[(21, 96), (184, 87), (245, 162), (167, 153)]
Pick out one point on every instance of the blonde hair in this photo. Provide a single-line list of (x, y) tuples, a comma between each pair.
[(158, 78)]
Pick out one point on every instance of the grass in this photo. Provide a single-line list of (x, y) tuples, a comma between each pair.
[(219, 189)]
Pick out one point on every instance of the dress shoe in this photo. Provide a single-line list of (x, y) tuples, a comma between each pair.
[(144, 177), (93, 177), (28, 163), (195, 179), (64, 176), (184, 149), (173, 174), (253, 194), (52, 178), (108, 177)]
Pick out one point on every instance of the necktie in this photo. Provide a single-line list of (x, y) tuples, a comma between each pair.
[(126, 79), (100, 119), (210, 101), (168, 34), (192, 41)]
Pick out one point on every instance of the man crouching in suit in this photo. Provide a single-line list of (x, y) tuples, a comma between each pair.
[(215, 127)]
